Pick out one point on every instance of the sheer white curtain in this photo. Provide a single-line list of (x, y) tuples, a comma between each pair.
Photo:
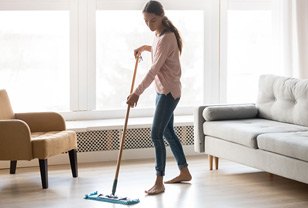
[(291, 40), (302, 37)]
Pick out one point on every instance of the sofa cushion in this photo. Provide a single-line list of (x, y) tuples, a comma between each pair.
[(283, 99), (245, 131), (293, 144), (228, 112)]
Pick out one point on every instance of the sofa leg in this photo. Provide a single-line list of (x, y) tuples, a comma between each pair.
[(44, 172), (13, 166), (216, 162), (211, 162), (73, 161)]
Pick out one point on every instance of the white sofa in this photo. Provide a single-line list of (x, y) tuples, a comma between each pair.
[(271, 135)]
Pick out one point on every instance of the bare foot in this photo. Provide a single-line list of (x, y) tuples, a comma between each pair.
[(156, 189), (183, 177)]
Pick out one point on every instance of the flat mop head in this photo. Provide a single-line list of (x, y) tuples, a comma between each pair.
[(111, 199)]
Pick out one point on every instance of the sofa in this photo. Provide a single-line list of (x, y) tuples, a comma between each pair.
[(270, 135)]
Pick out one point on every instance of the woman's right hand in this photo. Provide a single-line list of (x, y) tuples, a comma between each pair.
[(138, 51), (132, 100)]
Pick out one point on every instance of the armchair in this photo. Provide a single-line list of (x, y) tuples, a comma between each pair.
[(27, 136)]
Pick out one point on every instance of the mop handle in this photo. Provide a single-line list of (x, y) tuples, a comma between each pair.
[(115, 182)]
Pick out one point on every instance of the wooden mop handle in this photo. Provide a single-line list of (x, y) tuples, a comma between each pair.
[(114, 187), (134, 75)]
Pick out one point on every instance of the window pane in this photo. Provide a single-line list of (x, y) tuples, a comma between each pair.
[(119, 33), (34, 63), (249, 52)]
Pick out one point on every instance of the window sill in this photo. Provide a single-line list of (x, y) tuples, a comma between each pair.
[(109, 124)]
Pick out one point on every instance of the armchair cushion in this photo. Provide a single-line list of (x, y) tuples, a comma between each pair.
[(46, 144)]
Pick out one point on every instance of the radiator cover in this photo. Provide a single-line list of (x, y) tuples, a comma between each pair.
[(136, 138)]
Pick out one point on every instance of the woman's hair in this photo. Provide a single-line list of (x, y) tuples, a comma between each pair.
[(155, 7)]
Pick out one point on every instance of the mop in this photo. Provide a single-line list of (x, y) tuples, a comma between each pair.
[(112, 198)]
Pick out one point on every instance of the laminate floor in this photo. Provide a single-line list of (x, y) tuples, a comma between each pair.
[(233, 185)]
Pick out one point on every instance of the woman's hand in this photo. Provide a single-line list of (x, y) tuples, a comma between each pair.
[(138, 51), (132, 100)]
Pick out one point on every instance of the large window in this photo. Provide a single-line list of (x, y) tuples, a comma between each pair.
[(120, 32), (76, 57), (247, 48), (34, 63)]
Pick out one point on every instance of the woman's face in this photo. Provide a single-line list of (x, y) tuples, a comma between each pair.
[(153, 21)]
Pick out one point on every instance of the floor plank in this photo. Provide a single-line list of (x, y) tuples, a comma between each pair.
[(233, 185)]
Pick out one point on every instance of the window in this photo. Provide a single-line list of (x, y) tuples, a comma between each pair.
[(120, 32), (34, 63), (76, 57), (247, 49)]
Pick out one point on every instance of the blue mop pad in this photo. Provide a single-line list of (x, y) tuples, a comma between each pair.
[(111, 199)]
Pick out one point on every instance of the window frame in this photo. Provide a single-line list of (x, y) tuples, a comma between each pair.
[(83, 51), (211, 12)]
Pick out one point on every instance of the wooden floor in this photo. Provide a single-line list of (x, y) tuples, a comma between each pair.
[(233, 185)]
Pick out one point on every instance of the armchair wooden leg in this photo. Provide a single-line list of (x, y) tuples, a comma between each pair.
[(44, 172), (211, 162), (216, 162), (13, 166), (73, 161)]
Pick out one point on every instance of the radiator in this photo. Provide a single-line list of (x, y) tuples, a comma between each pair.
[(136, 138)]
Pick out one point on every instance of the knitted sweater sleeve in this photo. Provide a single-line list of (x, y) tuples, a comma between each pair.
[(159, 57)]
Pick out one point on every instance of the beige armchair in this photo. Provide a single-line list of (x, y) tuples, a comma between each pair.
[(26, 136)]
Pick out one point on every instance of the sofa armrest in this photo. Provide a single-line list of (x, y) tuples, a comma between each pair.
[(42, 121), (230, 112), (15, 140), (218, 112), (198, 129)]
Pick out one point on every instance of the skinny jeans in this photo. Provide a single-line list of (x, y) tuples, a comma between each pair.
[(162, 127)]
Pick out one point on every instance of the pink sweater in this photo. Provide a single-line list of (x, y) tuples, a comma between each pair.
[(166, 67)]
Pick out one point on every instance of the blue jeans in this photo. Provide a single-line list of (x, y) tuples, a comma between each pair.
[(163, 127)]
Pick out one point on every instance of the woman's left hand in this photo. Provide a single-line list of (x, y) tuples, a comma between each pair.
[(132, 100)]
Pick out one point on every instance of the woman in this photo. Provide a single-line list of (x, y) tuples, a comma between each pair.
[(166, 71)]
